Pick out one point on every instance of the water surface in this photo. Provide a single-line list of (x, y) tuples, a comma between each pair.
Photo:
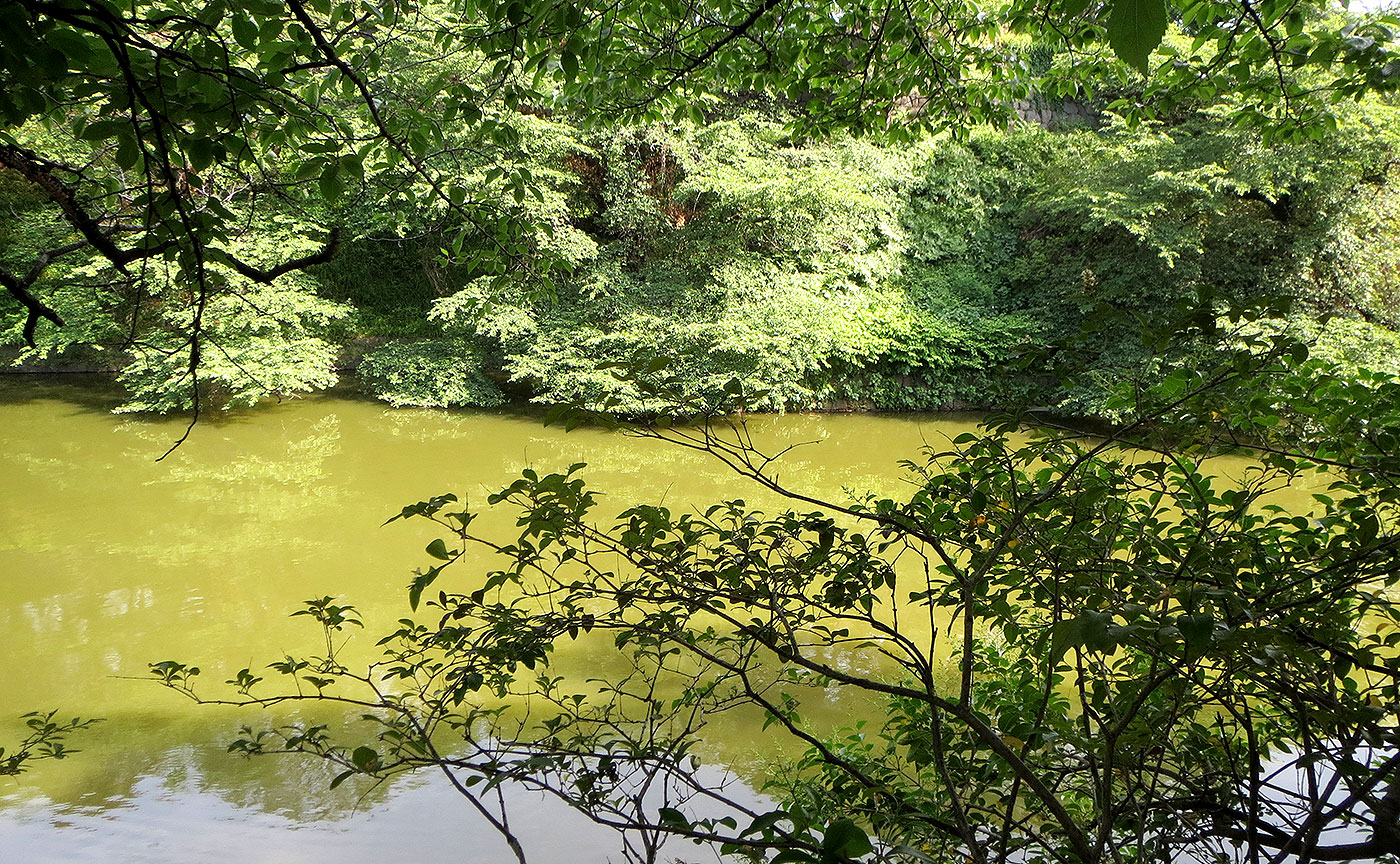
[(110, 560)]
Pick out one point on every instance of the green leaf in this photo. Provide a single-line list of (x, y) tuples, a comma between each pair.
[(438, 550), (364, 758), (1135, 28), (419, 583), (104, 130), (353, 166), (1196, 630), (245, 33), (1091, 629), (128, 154), (846, 839), (765, 822), (200, 152), (341, 777), (1064, 635), (332, 185), (310, 168), (73, 44)]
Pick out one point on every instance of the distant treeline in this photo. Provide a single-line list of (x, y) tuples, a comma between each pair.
[(1012, 266)]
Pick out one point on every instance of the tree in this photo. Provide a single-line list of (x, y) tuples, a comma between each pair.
[(167, 136), (1089, 648), (1119, 651)]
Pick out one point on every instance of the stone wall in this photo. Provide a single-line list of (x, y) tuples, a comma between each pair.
[(1058, 115)]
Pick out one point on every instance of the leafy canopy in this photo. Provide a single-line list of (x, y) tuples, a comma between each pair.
[(165, 133)]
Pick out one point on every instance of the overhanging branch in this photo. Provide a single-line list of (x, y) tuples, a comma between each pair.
[(34, 307), (257, 274)]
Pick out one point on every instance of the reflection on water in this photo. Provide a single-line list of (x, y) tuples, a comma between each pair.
[(181, 816), (110, 560)]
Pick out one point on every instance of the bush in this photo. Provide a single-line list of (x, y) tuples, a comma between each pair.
[(430, 373)]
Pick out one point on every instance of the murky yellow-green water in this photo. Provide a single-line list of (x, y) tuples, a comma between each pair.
[(110, 560)]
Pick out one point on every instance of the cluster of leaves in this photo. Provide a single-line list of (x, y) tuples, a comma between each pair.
[(45, 740), (260, 339), (431, 372), (192, 161)]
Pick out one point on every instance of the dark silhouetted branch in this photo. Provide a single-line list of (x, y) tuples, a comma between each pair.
[(265, 277)]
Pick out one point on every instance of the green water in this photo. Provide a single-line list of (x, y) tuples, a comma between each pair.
[(110, 560)]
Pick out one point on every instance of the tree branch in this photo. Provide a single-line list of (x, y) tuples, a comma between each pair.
[(257, 274), (34, 307)]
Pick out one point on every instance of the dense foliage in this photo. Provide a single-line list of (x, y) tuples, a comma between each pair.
[(1091, 650), (914, 276), (846, 272), (174, 175)]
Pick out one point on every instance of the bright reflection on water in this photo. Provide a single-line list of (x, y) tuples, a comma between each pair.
[(110, 560)]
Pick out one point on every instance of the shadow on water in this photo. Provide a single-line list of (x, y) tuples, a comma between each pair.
[(93, 392), (99, 393)]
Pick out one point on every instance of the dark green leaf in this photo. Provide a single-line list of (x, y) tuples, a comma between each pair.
[(438, 549), (1135, 28), (364, 758), (846, 839), (332, 184)]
